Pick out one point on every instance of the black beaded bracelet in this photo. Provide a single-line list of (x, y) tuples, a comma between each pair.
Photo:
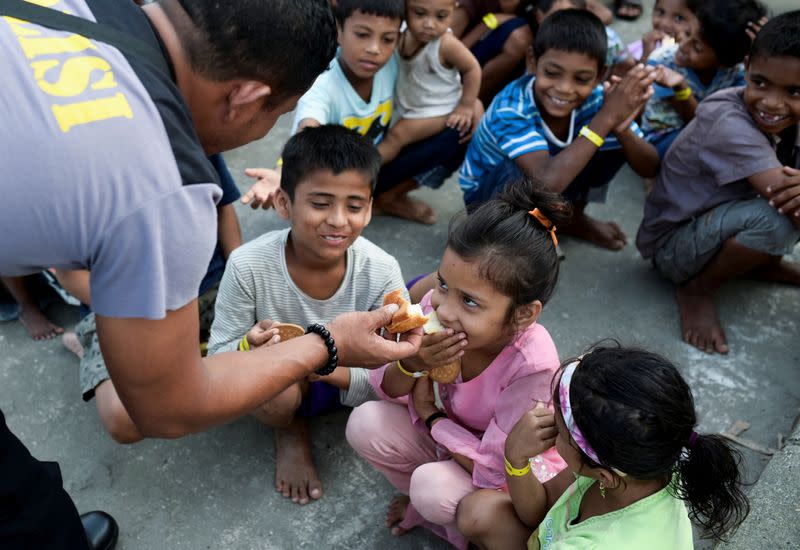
[(333, 357), (434, 416)]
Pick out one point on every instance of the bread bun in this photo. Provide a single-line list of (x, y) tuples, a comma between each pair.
[(287, 331), (408, 317), (445, 374)]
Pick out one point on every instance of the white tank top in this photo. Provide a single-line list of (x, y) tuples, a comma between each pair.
[(425, 87)]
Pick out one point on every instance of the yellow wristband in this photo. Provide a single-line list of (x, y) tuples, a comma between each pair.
[(683, 95), (490, 20), (419, 374), (244, 345), (592, 136), (516, 472)]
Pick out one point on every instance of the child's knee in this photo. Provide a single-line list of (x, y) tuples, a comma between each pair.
[(469, 519), (518, 41), (115, 418), (279, 411), (431, 491), (363, 424), (767, 230)]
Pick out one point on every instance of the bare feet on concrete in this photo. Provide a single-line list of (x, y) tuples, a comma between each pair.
[(296, 476), (396, 513), (604, 234), (700, 325), (71, 342), (37, 324), (403, 206)]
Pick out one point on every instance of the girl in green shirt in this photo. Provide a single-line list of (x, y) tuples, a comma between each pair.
[(624, 424)]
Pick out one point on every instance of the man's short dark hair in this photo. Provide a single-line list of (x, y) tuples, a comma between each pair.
[(393, 9), (780, 37), (575, 31), (329, 147), (285, 44), (723, 26)]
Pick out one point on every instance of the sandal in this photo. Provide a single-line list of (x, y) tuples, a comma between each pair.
[(630, 5)]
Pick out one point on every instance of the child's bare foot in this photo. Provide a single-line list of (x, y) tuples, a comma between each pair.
[(396, 513), (295, 474), (71, 342), (605, 234), (405, 207), (37, 325), (699, 322)]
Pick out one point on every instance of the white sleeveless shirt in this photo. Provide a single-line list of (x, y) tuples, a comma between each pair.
[(425, 87)]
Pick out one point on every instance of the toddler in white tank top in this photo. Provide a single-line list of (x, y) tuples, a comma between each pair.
[(438, 79)]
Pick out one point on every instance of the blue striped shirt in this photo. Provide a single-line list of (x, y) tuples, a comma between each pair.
[(513, 126)]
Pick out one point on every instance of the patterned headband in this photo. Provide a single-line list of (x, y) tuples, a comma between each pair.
[(566, 411)]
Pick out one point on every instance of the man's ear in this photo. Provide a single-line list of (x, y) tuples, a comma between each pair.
[(244, 95), (339, 32), (283, 204), (526, 315)]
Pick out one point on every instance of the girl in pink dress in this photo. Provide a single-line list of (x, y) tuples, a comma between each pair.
[(437, 443)]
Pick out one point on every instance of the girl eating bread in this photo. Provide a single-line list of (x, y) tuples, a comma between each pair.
[(437, 442)]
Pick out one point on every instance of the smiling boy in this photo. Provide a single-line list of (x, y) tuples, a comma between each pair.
[(317, 269), (725, 203), (560, 128)]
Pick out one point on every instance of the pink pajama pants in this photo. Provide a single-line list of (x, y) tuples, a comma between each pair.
[(382, 433)]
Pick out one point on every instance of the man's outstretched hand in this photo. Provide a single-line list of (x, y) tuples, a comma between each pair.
[(360, 345)]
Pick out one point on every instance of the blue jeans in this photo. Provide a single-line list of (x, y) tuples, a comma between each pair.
[(492, 44), (753, 223), (429, 161), (589, 183)]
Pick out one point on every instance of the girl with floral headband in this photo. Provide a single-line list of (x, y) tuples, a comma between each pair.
[(498, 270), (624, 423)]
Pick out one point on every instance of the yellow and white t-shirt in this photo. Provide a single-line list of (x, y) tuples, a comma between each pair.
[(332, 100)]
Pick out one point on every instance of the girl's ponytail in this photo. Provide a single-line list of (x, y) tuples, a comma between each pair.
[(525, 194), (711, 485), (516, 250)]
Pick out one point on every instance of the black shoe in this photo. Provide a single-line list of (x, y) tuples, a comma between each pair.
[(101, 530)]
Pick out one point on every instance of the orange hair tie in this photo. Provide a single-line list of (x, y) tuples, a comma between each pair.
[(542, 219)]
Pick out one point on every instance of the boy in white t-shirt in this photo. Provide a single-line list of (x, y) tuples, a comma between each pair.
[(357, 92), (314, 271)]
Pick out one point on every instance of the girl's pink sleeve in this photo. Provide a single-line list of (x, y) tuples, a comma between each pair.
[(487, 452), (376, 379)]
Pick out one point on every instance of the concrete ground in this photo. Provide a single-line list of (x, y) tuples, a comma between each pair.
[(215, 490)]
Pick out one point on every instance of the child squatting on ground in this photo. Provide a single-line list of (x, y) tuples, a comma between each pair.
[(726, 203), (707, 60), (624, 423), (433, 66), (319, 268), (560, 127), (489, 298)]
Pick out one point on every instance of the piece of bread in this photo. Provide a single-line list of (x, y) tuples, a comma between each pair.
[(287, 331), (408, 317), (445, 374), (433, 325)]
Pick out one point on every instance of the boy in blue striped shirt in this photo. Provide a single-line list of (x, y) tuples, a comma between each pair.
[(561, 128)]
